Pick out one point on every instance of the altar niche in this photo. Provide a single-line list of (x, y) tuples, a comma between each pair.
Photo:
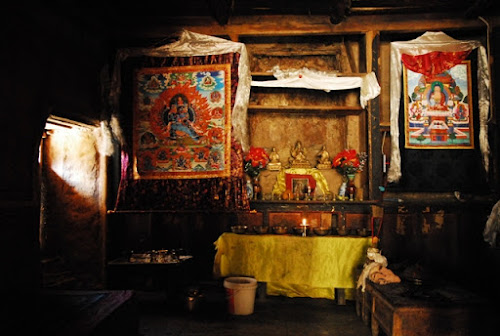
[(281, 117)]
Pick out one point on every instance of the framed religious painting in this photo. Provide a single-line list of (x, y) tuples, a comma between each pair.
[(438, 109), (182, 122), (298, 183)]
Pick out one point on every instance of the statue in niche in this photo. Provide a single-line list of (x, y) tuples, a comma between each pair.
[(323, 159), (298, 157), (274, 160)]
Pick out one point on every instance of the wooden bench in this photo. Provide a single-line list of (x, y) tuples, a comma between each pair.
[(409, 309)]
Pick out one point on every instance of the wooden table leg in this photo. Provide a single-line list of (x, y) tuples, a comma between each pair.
[(262, 291), (340, 296), (364, 307), (365, 314), (375, 327), (374, 324), (359, 304)]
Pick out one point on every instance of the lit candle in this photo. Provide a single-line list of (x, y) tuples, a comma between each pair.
[(304, 227)]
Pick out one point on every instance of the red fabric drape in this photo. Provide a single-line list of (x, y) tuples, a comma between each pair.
[(435, 62)]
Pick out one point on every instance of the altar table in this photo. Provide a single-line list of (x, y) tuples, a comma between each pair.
[(293, 266)]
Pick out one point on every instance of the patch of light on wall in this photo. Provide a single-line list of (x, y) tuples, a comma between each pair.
[(72, 155)]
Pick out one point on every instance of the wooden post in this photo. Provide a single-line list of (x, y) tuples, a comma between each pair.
[(373, 119)]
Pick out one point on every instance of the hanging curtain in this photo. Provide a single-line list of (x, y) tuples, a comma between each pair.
[(425, 53), (214, 194), (435, 62)]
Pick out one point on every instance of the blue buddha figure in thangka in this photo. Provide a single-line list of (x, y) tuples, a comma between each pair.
[(179, 117)]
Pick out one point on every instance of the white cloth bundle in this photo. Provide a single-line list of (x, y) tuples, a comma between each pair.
[(322, 80)]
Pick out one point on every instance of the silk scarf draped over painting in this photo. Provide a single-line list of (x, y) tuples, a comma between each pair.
[(431, 54), (206, 188)]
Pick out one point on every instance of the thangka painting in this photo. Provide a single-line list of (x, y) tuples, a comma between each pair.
[(182, 122), (438, 109)]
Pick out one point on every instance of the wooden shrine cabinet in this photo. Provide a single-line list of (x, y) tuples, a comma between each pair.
[(353, 215), (278, 117)]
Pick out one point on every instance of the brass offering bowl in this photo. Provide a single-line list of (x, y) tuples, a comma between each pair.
[(299, 230), (363, 232), (342, 231), (280, 229), (260, 229), (321, 231), (239, 229)]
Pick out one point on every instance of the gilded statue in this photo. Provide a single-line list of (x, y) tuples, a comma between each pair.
[(298, 157), (274, 160), (323, 159)]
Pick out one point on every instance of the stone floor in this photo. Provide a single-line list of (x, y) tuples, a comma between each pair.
[(273, 315)]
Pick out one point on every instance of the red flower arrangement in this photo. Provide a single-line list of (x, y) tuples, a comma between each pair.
[(349, 162), (255, 160)]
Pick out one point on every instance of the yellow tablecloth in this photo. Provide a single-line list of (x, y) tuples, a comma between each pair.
[(293, 266)]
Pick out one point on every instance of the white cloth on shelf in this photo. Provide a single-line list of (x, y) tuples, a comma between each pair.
[(322, 80)]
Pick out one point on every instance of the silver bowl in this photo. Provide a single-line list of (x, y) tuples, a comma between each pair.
[(239, 229), (321, 231), (260, 229), (280, 229)]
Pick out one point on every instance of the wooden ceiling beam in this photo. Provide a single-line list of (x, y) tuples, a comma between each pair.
[(275, 25)]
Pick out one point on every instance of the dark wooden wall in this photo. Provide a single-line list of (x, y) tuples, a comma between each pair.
[(49, 65)]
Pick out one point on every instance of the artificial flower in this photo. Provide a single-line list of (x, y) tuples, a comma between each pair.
[(255, 160), (349, 161)]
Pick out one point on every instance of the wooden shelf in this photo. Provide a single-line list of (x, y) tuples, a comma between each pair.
[(340, 74), (262, 74), (170, 211), (385, 128), (292, 202), (332, 206), (338, 110)]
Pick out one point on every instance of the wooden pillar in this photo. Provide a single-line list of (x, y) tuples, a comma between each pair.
[(373, 119)]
